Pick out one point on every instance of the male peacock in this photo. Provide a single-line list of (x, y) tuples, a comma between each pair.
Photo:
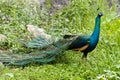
[(43, 51), (86, 43)]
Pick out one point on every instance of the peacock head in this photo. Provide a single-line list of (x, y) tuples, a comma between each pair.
[(100, 14)]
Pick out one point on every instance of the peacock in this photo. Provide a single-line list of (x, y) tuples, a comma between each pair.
[(44, 51), (86, 43)]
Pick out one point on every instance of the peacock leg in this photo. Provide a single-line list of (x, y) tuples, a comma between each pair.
[(84, 57)]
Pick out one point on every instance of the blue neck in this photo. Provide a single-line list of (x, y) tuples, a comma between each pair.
[(96, 32)]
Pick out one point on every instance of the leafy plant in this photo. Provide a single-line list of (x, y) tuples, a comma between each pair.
[(78, 17)]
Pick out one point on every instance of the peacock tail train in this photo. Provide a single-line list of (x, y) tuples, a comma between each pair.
[(43, 52)]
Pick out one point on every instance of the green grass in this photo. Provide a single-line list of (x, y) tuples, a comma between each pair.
[(103, 63)]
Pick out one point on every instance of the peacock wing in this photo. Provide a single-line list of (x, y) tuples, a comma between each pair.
[(80, 43), (69, 36)]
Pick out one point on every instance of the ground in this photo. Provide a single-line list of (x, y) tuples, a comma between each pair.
[(77, 18)]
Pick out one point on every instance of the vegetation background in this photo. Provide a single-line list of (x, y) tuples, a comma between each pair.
[(78, 18)]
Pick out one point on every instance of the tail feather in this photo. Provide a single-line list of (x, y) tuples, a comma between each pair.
[(23, 59), (38, 43), (42, 53)]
